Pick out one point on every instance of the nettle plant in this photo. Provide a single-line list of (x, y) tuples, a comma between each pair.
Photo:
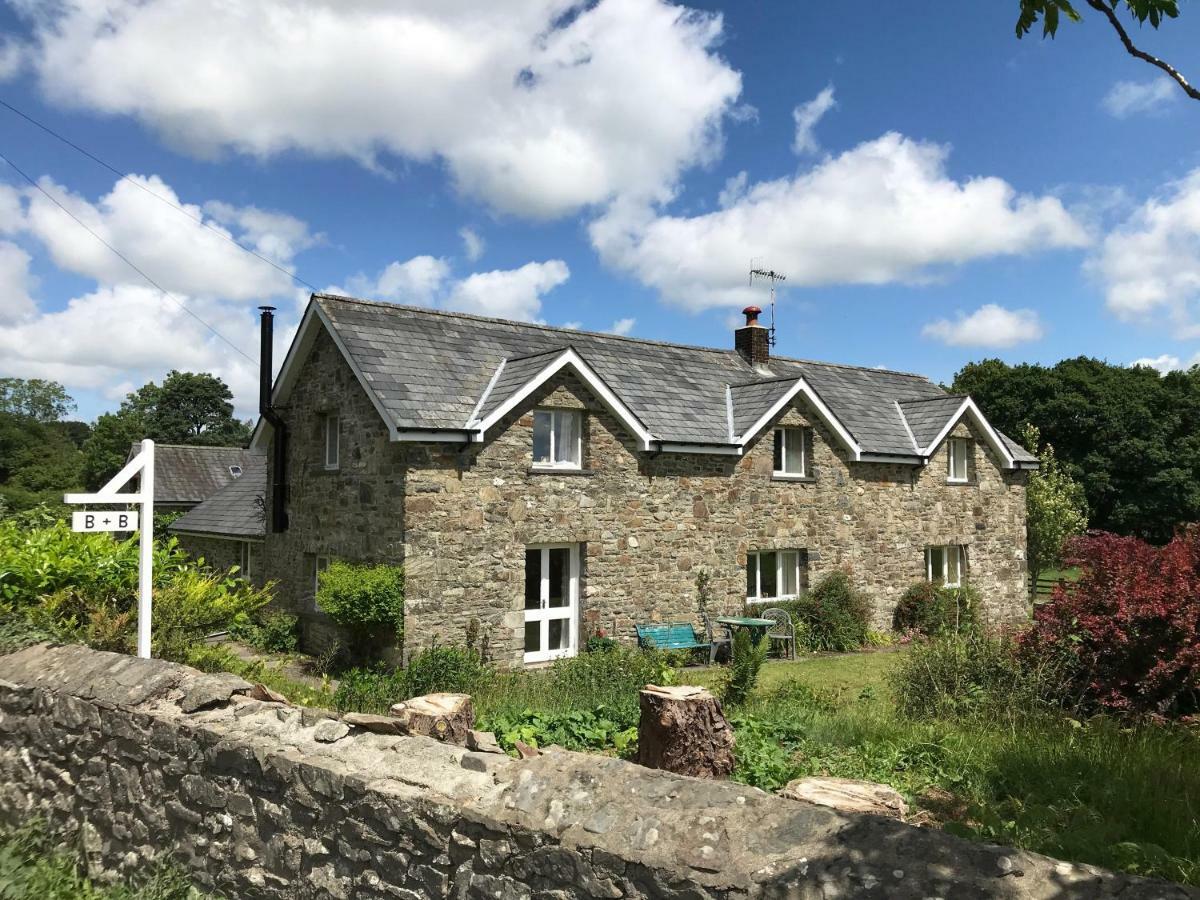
[(367, 600)]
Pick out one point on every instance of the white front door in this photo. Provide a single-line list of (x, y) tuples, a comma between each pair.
[(551, 602)]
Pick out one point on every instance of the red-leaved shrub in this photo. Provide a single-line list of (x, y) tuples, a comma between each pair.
[(1130, 626)]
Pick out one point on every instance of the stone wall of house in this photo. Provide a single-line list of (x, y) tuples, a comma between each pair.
[(220, 554), (355, 512), (133, 760), (648, 525), (460, 517)]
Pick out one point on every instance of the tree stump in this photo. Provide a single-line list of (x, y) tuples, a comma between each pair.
[(447, 717), (684, 730)]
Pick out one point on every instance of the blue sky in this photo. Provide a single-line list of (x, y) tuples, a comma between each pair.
[(936, 190)]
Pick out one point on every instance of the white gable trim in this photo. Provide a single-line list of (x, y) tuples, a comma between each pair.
[(912, 438), (969, 408), (568, 358), (826, 414)]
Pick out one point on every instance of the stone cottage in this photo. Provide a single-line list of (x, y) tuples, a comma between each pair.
[(552, 483)]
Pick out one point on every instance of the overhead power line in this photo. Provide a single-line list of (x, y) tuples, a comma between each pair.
[(125, 259), (122, 176)]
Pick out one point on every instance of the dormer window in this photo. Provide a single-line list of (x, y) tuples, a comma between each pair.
[(332, 441), (793, 452), (958, 451), (557, 439)]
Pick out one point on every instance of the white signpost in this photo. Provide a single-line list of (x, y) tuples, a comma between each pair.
[(115, 520)]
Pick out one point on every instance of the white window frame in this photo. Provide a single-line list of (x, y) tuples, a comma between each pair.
[(755, 557), (333, 424), (320, 564), (784, 435), (958, 552), (543, 615), (552, 463), (247, 571), (958, 450)]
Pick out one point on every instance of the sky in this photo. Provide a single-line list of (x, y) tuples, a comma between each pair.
[(935, 190)]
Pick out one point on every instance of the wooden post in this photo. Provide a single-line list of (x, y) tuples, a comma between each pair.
[(684, 730)]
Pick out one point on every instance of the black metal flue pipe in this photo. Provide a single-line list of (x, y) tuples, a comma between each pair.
[(279, 428)]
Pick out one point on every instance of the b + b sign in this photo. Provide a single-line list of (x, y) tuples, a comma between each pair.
[(103, 520)]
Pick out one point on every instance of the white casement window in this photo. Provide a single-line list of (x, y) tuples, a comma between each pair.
[(775, 574), (793, 448), (551, 602), (958, 451), (332, 441), (946, 566), (557, 439)]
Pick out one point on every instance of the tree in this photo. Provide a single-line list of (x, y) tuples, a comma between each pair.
[(34, 398), (1055, 505), (1049, 12), (188, 408), (1129, 436), (195, 408), (40, 457)]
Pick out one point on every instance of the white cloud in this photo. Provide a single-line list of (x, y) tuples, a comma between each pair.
[(509, 294), (881, 212), (806, 116), (540, 107), (1127, 98), (418, 281), (622, 326), (571, 326), (274, 235), (1167, 363), (427, 281), (734, 189), (473, 244), (12, 58), (1150, 264), (129, 334), (178, 253), (15, 283), (12, 213), (988, 326)]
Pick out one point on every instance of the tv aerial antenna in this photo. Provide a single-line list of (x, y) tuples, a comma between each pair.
[(774, 278)]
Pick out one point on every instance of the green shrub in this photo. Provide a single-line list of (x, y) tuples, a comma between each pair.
[(370, 690), (746, 658), (931, 610), (35, 866), (972, 673), (449, 668), (609, 680), (363, 598), (195, 604), (833, 615), (276, 632), (17, 632), (580, 729)]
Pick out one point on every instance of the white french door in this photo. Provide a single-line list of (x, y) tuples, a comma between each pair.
[(551, 602)]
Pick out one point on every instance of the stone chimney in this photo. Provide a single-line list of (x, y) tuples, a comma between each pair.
[(753, 341)]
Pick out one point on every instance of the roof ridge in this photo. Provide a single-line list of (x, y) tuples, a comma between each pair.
[(159, 446), (558, 329)]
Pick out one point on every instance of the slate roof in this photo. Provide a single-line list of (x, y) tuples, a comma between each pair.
[(233, 511), (430, 368), (928, 417), (186, 474)]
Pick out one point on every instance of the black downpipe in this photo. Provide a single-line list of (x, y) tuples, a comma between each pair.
[(267, 411)]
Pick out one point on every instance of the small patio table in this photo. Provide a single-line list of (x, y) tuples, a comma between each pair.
[(757, 626)]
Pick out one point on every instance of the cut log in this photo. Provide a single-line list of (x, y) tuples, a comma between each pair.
[(684, 730), (447, 717), (848, 795)]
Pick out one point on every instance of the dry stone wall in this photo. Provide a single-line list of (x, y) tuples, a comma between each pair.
[(460, 517), (135, 759)]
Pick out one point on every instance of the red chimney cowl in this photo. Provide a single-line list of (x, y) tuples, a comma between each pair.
[(751, 313)]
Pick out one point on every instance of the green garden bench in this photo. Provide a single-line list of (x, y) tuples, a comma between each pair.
[(676, 636)]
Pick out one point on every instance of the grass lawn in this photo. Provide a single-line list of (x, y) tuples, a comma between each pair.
[(1096, 791)]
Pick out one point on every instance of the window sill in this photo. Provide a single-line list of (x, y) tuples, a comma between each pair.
[(783, 476), (964, 483), (550, 470)]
